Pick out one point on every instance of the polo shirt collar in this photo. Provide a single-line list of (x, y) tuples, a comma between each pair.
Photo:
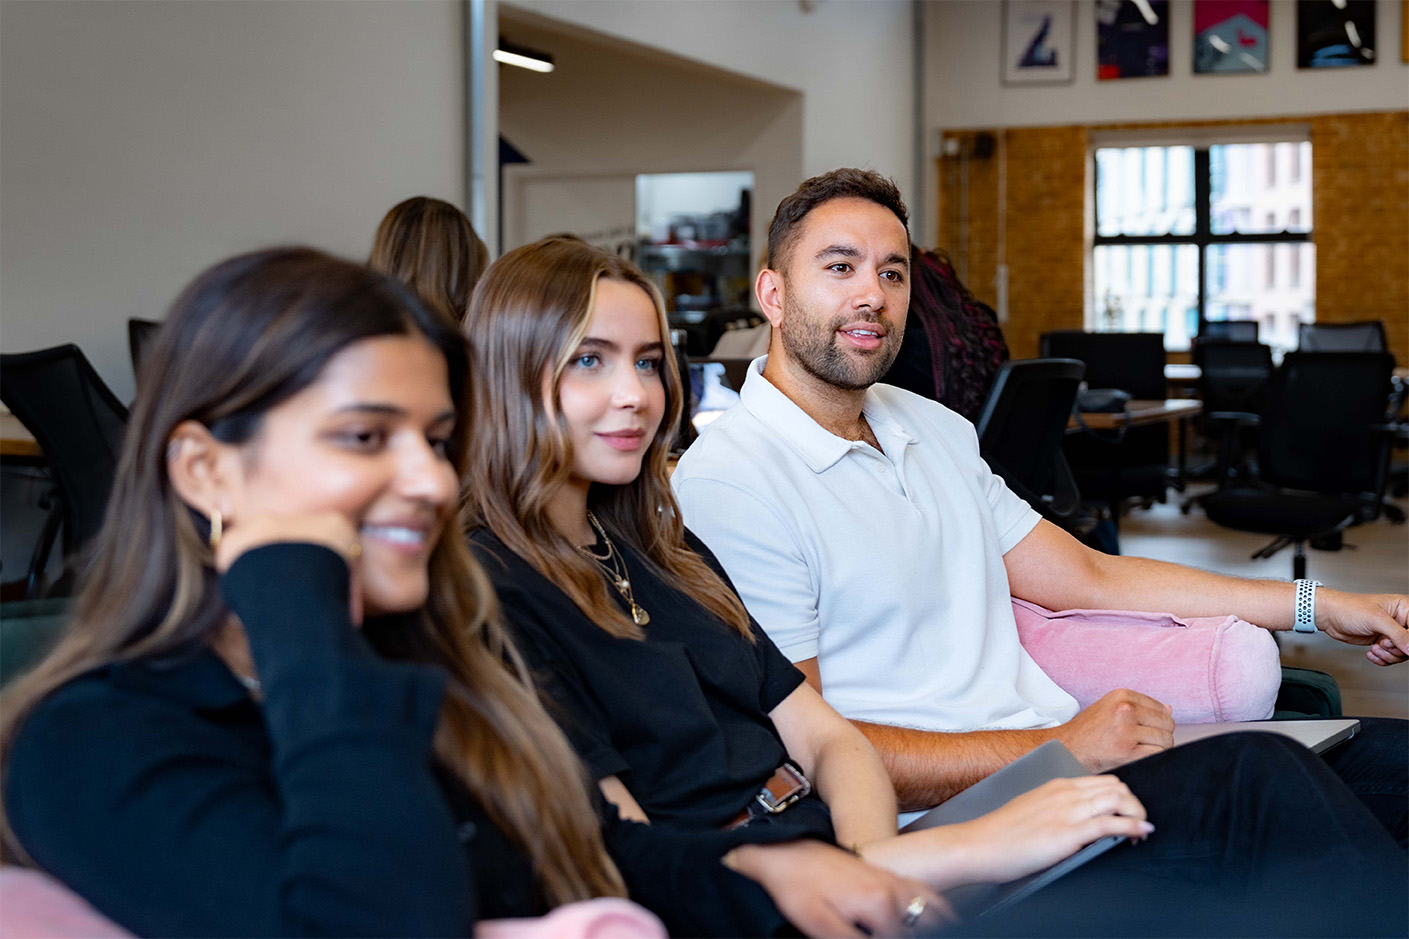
[(819, 448)]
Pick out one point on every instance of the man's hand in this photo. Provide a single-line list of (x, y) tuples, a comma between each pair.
[(1123, 726), (1377, 620)]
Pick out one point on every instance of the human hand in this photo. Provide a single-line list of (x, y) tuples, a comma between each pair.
[(329, 529), (1122, 726), (1030, 833), (825, 891), (1377, 620)]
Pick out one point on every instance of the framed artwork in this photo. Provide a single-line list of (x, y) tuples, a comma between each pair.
[(1132, 38), (1230, 36), (1037, 41), (1404, 31), (1331, 34)]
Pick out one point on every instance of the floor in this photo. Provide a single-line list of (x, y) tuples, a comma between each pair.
[(1378, 562)]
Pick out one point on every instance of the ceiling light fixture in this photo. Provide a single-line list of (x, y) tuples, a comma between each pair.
[(523, 57)]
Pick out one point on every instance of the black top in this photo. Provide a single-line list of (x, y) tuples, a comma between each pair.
[(163, 794), (681, 717)]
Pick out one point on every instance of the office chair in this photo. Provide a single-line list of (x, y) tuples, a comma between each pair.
[(1137, 464), (1020, 431), (1364, 336), (1233, 379), (1321, 454), (1228, 330), (141, 336), (78, 423)]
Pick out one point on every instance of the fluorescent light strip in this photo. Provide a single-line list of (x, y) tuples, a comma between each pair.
[(522, 61)]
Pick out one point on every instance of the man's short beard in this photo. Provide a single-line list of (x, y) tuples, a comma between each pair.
[(818, 354)]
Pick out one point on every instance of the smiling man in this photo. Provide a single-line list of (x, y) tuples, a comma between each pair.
[(868, 537)]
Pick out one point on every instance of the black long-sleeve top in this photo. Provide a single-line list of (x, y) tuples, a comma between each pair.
[(177, 805)]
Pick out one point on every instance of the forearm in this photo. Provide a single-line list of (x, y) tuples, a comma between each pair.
[(928, 767), (1131, 583), (852, 780), (1051, 568)]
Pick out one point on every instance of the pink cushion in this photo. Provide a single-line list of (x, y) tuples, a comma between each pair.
[(34, 905), (604, 918), (1213, 668)]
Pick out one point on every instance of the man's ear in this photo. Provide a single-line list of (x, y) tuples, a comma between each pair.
[(201, 468), (769, 289)]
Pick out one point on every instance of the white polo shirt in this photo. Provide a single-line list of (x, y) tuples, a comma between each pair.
[(887, 567)]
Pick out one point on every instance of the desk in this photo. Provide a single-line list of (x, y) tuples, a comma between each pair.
[(15, 438), (1139, 413), (1183, 373)]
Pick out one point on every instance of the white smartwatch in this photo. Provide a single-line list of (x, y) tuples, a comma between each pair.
[(1305, 621)]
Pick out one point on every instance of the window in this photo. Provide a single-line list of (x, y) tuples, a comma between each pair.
[(1190, 233)]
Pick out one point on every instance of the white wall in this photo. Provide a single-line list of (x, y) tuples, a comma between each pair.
[(963, 57), (964, 54), (141, 141), (852, 62)]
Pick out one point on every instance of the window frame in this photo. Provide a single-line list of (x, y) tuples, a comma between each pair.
[(1203, 236)]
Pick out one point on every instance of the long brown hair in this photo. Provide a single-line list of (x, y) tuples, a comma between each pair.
[(431, 247), (245, 336), (527, 316)]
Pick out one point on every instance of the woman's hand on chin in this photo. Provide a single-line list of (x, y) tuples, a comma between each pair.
[(330, 529), (825, 891)]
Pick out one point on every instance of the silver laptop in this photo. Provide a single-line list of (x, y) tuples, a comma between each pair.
[(1317, 735), (1049, 761)]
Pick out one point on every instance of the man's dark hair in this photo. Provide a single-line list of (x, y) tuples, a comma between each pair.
[(844, 183)]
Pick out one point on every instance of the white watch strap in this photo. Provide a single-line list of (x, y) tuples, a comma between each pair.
[(1305, 621)]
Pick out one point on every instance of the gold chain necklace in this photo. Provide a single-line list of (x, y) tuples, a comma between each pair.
[(614, 566)]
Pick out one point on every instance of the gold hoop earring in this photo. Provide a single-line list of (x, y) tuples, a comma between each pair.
[(217, 528)]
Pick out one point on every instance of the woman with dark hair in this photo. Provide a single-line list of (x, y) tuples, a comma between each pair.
[(430, 245), (285, 705), (690, 718)]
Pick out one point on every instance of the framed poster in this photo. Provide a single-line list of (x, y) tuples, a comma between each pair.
[(1404, 31), (1331, 34), (1230, 36), (1132, 38), (1037, 41)]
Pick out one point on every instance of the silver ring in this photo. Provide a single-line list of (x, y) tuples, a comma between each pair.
[(913, 912), (1092, 803)]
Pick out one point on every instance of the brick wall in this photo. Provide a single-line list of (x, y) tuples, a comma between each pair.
[(1360, 210), (1360, 180)]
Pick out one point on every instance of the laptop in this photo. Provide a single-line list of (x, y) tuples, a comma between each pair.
[(1316, 735), (1050, 761)]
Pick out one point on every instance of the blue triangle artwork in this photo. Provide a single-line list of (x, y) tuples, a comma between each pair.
[(1037, 42)]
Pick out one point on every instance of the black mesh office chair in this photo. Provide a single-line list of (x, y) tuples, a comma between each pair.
[(141, 336), (1229, 330), (1020, 431), (1321, 453), (78, 423), (1137, 464), (1364, 336), (1233, 379)]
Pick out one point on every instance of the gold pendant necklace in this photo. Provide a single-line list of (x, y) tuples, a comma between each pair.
[(614, 566)]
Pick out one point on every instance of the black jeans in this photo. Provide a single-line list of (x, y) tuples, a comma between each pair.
[(1254, 836), (1374, 764)]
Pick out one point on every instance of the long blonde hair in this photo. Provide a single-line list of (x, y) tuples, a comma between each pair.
[(430, 246), (246, 335), (527, 316)]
